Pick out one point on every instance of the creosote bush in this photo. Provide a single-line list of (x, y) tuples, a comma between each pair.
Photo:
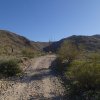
[(28, 53), (68, 52), (85, 78), (83, 75), (86, 74), (9, 68)]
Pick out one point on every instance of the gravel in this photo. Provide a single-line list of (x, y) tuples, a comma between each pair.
[(38, 83)]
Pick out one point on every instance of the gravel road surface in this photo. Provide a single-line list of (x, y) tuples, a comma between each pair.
[(39, 82)]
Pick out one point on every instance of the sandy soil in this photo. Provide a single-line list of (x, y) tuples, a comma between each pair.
[(39, 82)]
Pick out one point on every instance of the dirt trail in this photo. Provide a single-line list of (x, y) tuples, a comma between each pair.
[(38, 83)]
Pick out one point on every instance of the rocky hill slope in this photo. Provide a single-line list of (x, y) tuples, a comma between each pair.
[(11, 43), (87, 43)]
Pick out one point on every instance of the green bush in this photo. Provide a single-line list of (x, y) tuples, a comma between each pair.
[(82, 76), (28, 53), (85, 78), (9, 68), (68, 52), (86, 74), (59, 66)]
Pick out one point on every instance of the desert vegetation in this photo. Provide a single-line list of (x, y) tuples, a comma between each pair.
[(9, 68), (82, 75), (28, 53), (78, 64)]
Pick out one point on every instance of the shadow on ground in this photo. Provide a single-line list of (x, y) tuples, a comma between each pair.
[(51, 98), (40, 74), (37, 74)]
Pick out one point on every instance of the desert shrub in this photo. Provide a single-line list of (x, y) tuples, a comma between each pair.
[(85, 78), (68, 52), (9, 68), (86, 74), (83, 75), (59, 66), (28, 53)]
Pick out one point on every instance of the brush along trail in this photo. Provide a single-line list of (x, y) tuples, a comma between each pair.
[(39, 82)]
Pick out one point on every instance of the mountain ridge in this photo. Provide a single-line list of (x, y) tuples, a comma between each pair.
[(90, 43), (9, 40)]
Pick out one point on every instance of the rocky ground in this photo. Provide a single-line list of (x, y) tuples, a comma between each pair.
[(38, 82)]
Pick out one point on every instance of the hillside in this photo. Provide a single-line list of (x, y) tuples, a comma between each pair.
[(11, 43), (87, 43), (40, 45)]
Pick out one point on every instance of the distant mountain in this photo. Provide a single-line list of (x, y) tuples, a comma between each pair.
[(87, 43)]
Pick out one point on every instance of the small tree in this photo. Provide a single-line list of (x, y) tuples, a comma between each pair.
[(84, 78), (68, 51)]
